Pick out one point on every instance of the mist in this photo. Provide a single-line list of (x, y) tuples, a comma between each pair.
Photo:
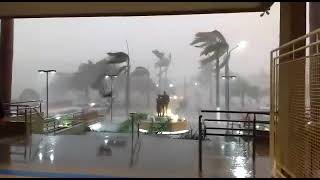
[(64, 44)]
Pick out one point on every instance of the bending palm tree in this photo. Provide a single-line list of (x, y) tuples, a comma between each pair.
[(214, 47)]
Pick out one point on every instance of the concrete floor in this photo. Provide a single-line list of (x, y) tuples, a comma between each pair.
[(116, 155)]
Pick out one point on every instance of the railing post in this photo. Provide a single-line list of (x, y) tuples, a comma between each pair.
[(26, 119), (54, 126), (138, 129), (30, 118), (200, 146), (40, 107), (17, 111), (254, 146), (131, 115)]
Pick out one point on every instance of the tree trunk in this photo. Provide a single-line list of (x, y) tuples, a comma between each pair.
[(148, 92), (210, 89), (160, 79), (217, 84), (166, 79)]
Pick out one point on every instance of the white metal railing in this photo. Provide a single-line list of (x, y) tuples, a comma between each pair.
[(295, 107)]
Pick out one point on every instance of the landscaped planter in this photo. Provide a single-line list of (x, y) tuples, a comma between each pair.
[(172, 126)]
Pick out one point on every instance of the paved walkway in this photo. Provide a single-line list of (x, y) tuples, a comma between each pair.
[(116, 155)]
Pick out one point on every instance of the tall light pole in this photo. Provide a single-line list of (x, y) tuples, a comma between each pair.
[(47, 71), (227, 91), (111, 78), (227, 76)]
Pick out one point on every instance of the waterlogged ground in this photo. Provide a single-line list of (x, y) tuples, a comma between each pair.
[(121, 155)]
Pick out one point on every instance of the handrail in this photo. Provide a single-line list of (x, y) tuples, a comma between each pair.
[(237, 112), (248, 131), (219, 120), (22, 102)]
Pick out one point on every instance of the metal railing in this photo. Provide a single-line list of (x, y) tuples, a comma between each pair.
[(52, 124), (248, 129), (23, 110), (294, 98)]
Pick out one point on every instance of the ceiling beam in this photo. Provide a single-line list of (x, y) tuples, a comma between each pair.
[(94, 9)]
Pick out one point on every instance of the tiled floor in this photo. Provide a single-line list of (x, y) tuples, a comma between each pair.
[(116, 155)]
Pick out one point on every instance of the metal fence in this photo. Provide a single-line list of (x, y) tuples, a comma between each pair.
[(23, 111), (247, 128), (295, 107)]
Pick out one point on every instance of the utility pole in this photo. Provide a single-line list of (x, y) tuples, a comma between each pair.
[(128, 83)]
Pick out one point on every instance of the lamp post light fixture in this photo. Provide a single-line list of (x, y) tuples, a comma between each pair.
[(171, 85), (111, 78), (229, 77), (47, 72)]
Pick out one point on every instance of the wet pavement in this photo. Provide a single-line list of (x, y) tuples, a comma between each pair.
[(117, 155)]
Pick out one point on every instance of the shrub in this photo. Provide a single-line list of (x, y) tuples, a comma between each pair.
[(124, 127), (141, 116)]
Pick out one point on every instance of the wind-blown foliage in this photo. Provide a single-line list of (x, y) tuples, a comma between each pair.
[(118, 57), (214, 46)]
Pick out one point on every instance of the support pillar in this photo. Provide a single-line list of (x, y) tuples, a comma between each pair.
[(291, 75), (6, 57)]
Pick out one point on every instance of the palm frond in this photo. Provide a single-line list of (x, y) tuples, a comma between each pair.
[(206, 60), (122, 68), (159, 54), (202, 45), (118, 57), (211, 48)]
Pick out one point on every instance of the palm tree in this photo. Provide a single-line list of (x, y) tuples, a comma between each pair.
[(163, 64), (214, 47)]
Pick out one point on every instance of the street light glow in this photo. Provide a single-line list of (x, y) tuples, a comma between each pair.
[(196, 84), (242, 44), (106, 77), (170, 85)]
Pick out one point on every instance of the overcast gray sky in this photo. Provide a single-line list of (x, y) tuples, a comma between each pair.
[(63, 43)]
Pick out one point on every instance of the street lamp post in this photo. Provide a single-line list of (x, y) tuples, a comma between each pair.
[(227, 76), (111, 78), (128, 82), (47, 71)]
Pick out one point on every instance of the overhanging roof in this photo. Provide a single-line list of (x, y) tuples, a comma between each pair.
[(82, 9)]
